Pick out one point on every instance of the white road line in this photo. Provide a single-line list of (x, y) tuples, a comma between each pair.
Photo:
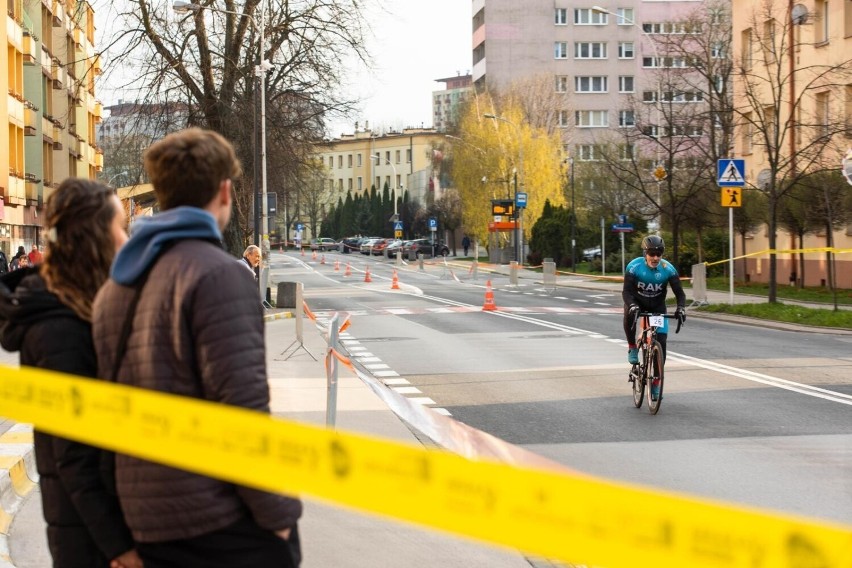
[(392, 382), (424, 400), (407, 390), (386, 374)]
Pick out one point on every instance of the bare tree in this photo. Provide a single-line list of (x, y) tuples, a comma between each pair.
[(208, 60), (785, 116)]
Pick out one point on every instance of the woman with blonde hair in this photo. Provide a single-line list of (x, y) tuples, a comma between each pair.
[(45, 314)]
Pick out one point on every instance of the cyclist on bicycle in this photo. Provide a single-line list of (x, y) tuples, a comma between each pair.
[(645, 285)]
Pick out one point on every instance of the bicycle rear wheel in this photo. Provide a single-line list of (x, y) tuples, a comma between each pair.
[(654, 374), (638, 385)]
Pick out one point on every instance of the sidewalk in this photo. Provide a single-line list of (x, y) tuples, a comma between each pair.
[(331, 536)]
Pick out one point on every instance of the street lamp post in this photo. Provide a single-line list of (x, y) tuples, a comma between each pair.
[(573, 217), (518, 215), (261, 212), (657, 61)]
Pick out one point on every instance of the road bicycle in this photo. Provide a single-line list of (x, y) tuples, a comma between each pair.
[(649, 371)]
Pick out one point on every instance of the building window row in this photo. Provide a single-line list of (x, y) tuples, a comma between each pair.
[(591, 17), (594, 84), (672, 97), (672, 28), (357, 160)]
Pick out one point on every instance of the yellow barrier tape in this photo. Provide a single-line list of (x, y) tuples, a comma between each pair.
[(553, 515), (781, 251)]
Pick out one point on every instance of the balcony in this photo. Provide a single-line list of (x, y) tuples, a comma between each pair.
[(30, 121), (98, 66), (77, 35), (47, 130), (30, 43), (46, 62), (15, 33), (31, 186), (98, 111), (16, 110), (58, 11), (57, 137), (17, 192)]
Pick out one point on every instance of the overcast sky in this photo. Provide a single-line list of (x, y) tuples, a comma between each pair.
[(415, 43)]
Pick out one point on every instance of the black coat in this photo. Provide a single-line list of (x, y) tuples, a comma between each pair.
[(85, 526)]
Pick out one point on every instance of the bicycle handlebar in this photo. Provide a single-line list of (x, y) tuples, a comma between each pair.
[(667, 316)]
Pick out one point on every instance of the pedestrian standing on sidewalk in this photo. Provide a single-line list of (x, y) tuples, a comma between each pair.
[(197, 331), (466, 244), (45, 313), (251, 258), (35, 256)]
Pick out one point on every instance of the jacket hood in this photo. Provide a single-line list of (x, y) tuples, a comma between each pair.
[(151, 234), (24, 300)]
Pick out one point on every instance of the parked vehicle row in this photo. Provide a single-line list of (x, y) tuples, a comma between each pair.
[(379, 246)]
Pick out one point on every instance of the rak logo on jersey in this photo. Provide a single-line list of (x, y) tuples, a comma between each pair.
[(650, 289)]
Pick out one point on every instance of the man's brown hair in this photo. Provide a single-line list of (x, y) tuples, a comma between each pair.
[(187, 167)]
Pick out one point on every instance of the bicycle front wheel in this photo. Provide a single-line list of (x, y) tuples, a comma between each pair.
[(655, 377)]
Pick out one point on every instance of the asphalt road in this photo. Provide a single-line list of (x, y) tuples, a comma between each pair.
[(753, 416)]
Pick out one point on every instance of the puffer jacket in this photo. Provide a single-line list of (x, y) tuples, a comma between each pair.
[(85, 527), (198, 332)]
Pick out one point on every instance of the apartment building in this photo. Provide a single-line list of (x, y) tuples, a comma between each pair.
[(446, 102), (797, 39), (599, 56), (50, 109), (356, 162)]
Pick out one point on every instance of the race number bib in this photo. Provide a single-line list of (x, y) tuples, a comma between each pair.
[(656, 321)]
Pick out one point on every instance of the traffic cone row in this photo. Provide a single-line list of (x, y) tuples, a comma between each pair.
[(367, 275), (395, 281), (489, 305), (348, 270)]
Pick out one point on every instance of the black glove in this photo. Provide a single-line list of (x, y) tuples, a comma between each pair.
[(680, 314), (632, 311)]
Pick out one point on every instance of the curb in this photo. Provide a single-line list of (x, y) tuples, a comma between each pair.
[(277, 316), (18, 477)]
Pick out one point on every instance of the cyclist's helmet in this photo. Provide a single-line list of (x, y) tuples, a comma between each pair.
[(653, 244)]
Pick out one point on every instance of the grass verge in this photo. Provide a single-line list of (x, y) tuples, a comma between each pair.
[(786, 313), (811, 294)]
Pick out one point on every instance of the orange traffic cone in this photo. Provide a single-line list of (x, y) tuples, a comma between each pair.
[(395, 281), (314, 255), (489, 305), (337, 266), (367, 275), (322, 259), (302, 251), (348, 270), (280, 247)]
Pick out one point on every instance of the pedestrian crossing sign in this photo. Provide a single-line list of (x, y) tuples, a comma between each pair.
[(732, 197), (730, 173)]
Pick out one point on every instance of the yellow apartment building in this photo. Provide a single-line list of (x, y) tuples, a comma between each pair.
[(405, 160), (50, 110), (788, 40)]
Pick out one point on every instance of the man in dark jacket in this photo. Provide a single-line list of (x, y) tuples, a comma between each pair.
[(197, 331)]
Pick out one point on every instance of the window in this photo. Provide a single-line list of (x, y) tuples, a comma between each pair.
[(649, 96), (350, 184), (340, 164), (378, 158), (591, 118), (360, 182), (587, 16), (387, 157), (717, 51), (398, 181), (349, 161), (590, 50), (626, 118), (560, 50), (561, 17), (649, 62), (378, 182), (397, 156), (360, 163), (340, 184), (408, 156), (625, 84), (625, 50), (821, 25), (746, 133), (331, 162), (822, 114), (588, 152), (626, 152), (562, 83), (590, 84), (746, 55), (848, 111), (387, 182), (625, 17), (563, 119)]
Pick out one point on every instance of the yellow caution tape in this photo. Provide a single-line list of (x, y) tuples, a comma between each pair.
[(550, 514), (766, 252)]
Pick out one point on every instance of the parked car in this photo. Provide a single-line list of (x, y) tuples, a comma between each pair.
[(349, 244), (392, 248), (368, 244), (323, 244), (592, 253), (425, 247)]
